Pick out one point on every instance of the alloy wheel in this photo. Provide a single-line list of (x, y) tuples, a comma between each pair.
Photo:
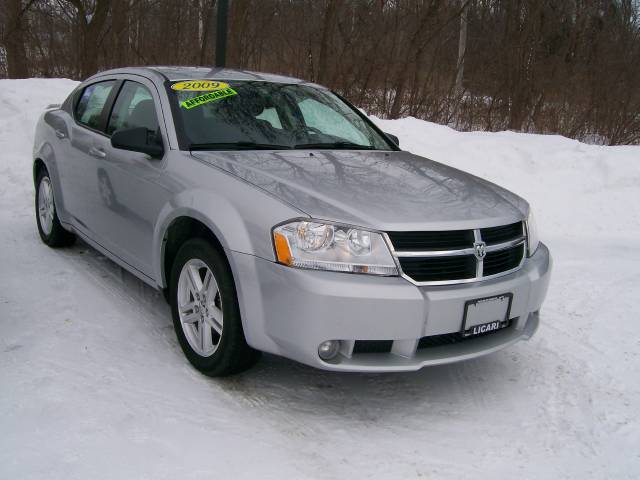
[(45, 205), (200, 307)]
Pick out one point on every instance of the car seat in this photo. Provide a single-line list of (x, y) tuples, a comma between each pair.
[(144, 115)]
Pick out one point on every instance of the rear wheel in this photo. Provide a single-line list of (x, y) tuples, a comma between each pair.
[(51, 231), (206, 316)]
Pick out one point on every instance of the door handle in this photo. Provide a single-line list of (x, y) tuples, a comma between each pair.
[(60, 134), (97, 152)]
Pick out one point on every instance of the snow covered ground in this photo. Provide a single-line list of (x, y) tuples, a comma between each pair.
[(93, 384)]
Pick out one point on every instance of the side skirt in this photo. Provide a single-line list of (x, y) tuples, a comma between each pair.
[(111, 256)]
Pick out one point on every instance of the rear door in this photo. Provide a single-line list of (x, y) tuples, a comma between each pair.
[(78, 165)]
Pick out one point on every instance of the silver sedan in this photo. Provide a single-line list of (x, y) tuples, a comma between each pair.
[(276, 217)]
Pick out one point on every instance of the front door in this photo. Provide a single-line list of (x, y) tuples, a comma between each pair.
[(131, 186)]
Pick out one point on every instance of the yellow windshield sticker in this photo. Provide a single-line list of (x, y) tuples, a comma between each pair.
[(208, 97), (199, 86)]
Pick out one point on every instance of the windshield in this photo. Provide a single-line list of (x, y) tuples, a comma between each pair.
[(262, 115)]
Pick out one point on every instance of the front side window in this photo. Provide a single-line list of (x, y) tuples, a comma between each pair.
[(92, 102), (265, 115), (133, 108)]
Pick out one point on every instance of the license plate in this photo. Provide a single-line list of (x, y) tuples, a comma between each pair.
[(484, 315)]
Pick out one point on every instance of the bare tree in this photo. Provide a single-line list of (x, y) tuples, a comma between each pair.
[(13, 38), (462, 46), (569, 67)]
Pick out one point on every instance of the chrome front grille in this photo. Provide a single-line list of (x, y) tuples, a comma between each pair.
[(459, 256)]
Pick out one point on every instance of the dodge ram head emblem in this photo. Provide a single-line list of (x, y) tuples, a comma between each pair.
[(480, 250)]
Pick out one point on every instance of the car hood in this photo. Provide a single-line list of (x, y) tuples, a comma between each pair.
[(380, 190)]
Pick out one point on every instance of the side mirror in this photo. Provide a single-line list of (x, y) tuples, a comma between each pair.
[(139, 139), (393, 138)]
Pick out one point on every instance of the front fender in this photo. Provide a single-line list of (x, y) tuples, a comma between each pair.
[(242, 226)]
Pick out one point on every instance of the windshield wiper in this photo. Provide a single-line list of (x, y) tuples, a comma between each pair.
[(335, 145), (238, 146)]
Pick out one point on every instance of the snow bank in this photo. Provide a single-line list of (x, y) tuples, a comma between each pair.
[(21, 103), (93, 383), (576, 190)]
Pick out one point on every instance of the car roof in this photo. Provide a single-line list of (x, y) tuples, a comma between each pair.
[(172, 73)]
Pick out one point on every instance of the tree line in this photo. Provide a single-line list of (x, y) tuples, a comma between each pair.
[(549, 66)]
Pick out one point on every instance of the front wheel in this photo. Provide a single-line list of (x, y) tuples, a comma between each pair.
[(205, 311), (51, 231)]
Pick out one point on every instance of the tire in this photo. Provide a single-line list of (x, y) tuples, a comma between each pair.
[(51, 231), (209, 328)]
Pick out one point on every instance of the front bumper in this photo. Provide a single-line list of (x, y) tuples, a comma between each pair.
[(289, 312)]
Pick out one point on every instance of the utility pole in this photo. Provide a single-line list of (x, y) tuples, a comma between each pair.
[(221, 33)]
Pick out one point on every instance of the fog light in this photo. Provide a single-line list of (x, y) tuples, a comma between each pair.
[(329, 349)]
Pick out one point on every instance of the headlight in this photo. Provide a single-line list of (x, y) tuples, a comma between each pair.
[(339, 248), (532, 234)]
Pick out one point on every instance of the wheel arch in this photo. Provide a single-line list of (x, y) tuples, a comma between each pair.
[(178, 231), (38, 166), (45, 161)]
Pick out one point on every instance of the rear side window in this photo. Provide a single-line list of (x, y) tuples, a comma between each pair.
[(91, 103), (133, 108)]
